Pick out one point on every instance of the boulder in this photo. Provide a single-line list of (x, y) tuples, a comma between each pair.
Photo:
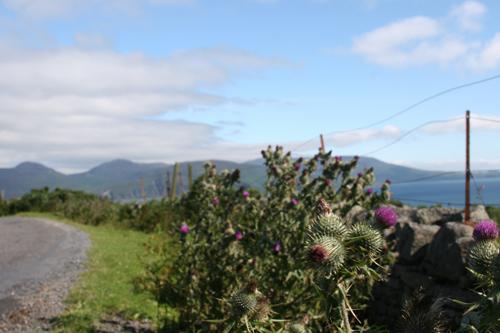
[(477, 213), (413, 240), (437, 215), (405, 214), (356, 214), (445, 257)]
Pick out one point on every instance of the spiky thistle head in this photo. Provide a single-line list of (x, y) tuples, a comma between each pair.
[(365, 237), (328, 225), (481, 256), (262, 310), (244, 302), (325, 253), (485, 230)]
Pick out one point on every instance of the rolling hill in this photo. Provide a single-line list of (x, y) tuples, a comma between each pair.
[(122, 178)]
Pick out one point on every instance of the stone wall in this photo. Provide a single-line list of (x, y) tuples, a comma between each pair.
[(431, 245)]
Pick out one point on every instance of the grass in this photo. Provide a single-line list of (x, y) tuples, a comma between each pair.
[(107, 286)]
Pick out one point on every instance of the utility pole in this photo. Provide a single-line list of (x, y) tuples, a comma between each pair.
[(322, 142), (467, 167)]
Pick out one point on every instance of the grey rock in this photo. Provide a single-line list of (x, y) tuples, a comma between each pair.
[(445, 257), (356, 214), (477, 213), (405, 214), (434, 215), (413, 240)]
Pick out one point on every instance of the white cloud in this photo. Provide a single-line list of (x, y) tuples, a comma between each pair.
[(422, 40), (489, 56), (72, 108), (468, 15), (345, 139)]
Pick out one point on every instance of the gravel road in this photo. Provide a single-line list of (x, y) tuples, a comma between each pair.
[(39, 261)]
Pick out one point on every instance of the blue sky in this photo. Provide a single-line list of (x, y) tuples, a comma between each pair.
[(83, 82)]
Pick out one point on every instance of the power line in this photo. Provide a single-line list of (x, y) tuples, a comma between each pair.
[(429, 201), (408, 108), (424, 178), (401, 137), (422, 101), (479, 194), (487, 119)]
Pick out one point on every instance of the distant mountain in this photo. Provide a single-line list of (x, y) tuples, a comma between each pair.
[(123, 179)]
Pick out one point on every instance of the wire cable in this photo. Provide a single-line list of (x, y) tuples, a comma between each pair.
[(408, 108), (478, 191), (425, 178), (487, 119), (422, 101), (404, 135)]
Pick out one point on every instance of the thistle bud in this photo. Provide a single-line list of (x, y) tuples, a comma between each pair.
[(243, 303), (481, 256), (363, 236), (325, 253), (262, 310), (331, 226), (324, 208)]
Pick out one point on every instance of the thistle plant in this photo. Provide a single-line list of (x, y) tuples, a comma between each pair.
[(280, 237), (337, 253), (484, 264)]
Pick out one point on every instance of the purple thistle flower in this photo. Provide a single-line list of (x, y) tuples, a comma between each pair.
[(296, 166), (184, 229), (238, 235), (360, 174), (386, 216), (318, 254), (215, 201), (246, 194), (356, 158), (277, 247), (388, 181), (294, 202), (338, 158), (485, 230), (369, 191)]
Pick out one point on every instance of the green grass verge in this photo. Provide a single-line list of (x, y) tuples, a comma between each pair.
[(107, 286)]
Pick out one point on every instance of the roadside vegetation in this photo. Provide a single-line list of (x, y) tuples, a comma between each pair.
[(301, 256)]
